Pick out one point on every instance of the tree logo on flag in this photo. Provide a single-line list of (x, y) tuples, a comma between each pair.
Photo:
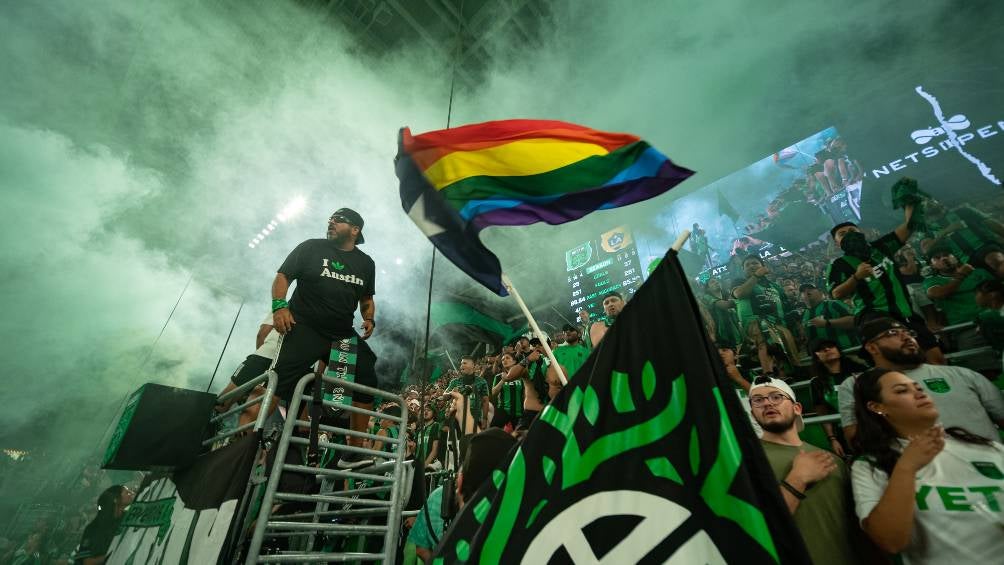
[(636, 460), (660, 518)]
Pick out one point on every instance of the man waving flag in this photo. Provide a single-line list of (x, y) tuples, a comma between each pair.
[(645, 457), (456, 182)]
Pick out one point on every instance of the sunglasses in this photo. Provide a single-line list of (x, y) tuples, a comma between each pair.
[(340, 220)]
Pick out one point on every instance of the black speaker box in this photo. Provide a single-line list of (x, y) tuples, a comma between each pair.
[(160, 427)]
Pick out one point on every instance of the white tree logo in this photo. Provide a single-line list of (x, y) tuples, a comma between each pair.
[(660, 517)]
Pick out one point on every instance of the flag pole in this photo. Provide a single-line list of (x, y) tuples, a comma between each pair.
[(678, 244), (533, 325)]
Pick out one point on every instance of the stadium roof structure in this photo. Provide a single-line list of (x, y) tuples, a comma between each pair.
[(384, 26)]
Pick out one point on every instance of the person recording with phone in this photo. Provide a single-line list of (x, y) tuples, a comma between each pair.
[(474, 389)]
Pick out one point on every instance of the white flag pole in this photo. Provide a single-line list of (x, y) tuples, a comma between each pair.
[(678, 244), (450, 357), (533, 325)]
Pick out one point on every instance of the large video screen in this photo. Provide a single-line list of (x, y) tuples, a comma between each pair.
[(603, 264), (779, 205)]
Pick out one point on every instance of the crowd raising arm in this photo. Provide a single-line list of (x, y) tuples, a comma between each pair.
[(847, 288)]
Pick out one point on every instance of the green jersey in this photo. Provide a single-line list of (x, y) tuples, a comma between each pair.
[(428, 435), (510, 397), (571, 357), (764, 302), (961, 306), (991, 323), (479, 390), (882, 292), (968, 239), (829, 310), (727, 329)]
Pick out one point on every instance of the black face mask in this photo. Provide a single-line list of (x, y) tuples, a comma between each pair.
[(855, 245)]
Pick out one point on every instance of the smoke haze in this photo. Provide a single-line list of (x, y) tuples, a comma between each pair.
[(146, 143)]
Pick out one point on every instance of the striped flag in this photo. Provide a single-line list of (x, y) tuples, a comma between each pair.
[(456, 182)]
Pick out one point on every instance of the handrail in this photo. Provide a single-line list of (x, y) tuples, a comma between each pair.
[(265, 400), (395, 467)]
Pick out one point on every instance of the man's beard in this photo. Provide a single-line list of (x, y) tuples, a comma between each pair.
[(777, 427), (900, 357)]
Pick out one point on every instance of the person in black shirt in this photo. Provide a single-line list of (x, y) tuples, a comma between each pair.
[(98, 535), (333, 277), (867, 273)]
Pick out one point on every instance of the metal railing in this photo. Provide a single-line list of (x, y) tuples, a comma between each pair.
[(265, 400), (378, 479)]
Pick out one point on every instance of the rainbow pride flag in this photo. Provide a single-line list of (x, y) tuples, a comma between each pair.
[(456, 182)]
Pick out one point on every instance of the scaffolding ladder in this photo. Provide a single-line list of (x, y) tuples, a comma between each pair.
[(343, 495)]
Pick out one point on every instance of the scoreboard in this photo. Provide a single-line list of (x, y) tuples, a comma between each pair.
[(604, 264)]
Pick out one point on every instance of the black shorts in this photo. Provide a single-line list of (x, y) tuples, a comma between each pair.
[(502, 418), (527, 418), (303, 346), (253, 366), (925, 338)]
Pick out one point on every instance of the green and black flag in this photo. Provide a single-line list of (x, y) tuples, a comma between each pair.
[(644, 457)]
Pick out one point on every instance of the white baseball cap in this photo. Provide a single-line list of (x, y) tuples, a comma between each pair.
[(764, 382)]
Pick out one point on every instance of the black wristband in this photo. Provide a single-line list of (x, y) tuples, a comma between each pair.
[(794, 491)]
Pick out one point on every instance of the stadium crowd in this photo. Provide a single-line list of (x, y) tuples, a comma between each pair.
[(911, 465)]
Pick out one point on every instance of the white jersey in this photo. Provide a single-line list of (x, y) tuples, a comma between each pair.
[(959, 508), (270, 346)]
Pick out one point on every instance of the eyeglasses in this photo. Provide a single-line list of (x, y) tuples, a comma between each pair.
[(894, 332), (339, 220), (774, 398)]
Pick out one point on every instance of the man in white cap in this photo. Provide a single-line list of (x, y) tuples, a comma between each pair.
[(813, 482)]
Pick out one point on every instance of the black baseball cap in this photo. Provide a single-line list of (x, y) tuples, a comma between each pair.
[(833, 230), (353, 218), (806, 286), (873, 328)]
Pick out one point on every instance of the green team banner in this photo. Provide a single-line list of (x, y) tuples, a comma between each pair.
[(645, 457), (342, 365)]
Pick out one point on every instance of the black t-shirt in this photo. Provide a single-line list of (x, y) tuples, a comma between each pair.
[(883, 292), (98, 535), (329, 285)]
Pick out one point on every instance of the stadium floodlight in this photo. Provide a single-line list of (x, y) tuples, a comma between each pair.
[(290, 211)]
